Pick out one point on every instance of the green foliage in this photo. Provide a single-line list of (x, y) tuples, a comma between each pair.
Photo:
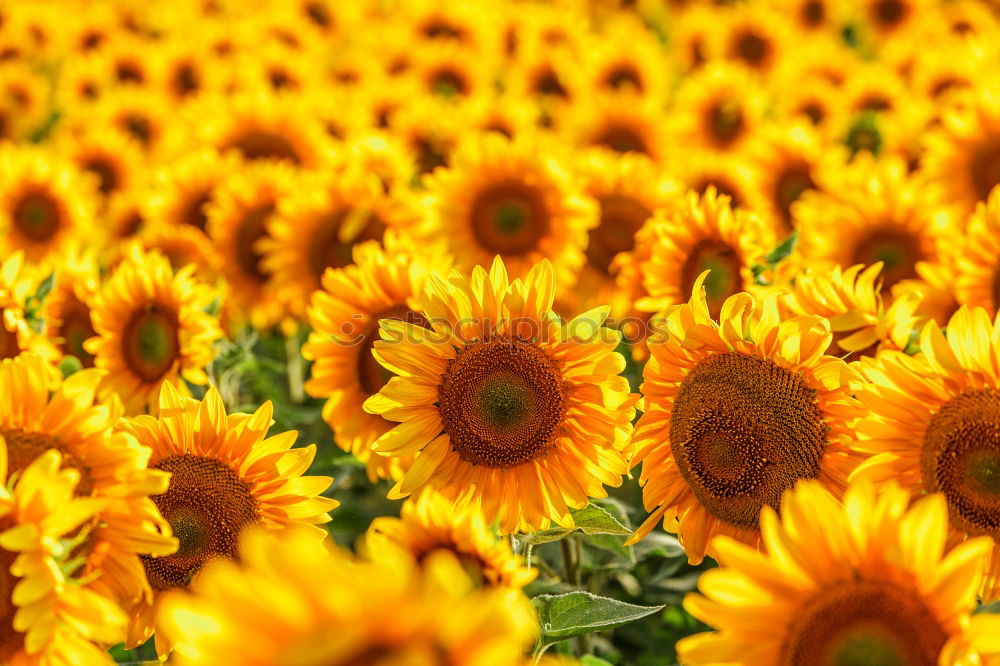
[(576, 613), (773, 258)]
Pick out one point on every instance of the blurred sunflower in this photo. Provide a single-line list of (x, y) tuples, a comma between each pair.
[(261, 126), (870, 583), (398, 613), (937, 288), (882, 215), (785, 160), (383, 282), (48, 616), (152, 328), (226, 475), (638, 69), (731, 175), (963, 153), (432, 523), (755, 36), (734, 414), (627, 189), (142, 114), (45, 202), (510, 409), (67, 307), (24, 101), (238, 215), (316, 227), (718, 107), (931, 424), (110, 466), (114, 159), (512, 199), (703, 233), (619, 123)]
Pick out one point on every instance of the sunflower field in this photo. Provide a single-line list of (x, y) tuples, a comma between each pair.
[(500, 332)]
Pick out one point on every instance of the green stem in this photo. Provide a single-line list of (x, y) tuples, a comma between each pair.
[(527, 554), (569, 563), (296, 371)]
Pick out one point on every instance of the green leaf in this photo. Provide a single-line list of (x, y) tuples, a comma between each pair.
[(592, 519), (783, 249), (591, 660), (45, 287), (578, 613)]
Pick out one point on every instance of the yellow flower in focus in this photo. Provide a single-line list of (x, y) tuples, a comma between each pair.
[(296, 601), (735, 413), (431, 523), (872, 582), (226, 475), (151, 328), (508, 408), (931, 424)]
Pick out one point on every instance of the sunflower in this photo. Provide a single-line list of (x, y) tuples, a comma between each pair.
[(814, 100), (238, 216), (937, 288), (512, 199), (67, 307), (182, 245), (383, 282), (114, 159), (111, 466), (259, 125), (963, 153), (144, 115), (430, 130), (812, 16), (504, 114), (315, 228), (978, 279), (431, 523), (730, 174), (691, 35), (452, 71), (639, 68), (870, 583), (851, 300), (151, 328), (60, 621), (382, 612), (183, 188), (893, 18), (785, 160), (24, 101), (718, 107), (126, 61), (511, 409), (187, 68), (703, 233), (45, 202), (628, 190), (735, 413), (620, 123), (82, 81), (226, 475), (882, 214), (549, 76), (124, 219), (930, 424), (755, 36)]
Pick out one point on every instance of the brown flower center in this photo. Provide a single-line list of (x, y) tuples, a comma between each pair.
[(889, 13), (37, 216), (862, 623), (106, 172), (151, 342), (621, 138), (502, 402), (985, 168), (793, 180), (961, 458), (193, 210), (23, 448), (252, 229), (186, 80), (263, 144), (207, 506), (336, 236), (724, 279), (75, 327), (813, 13), (751, 48), (725, 122), (898, 250), (624, 76), (621, 218), (743, 430), (510, 217)]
